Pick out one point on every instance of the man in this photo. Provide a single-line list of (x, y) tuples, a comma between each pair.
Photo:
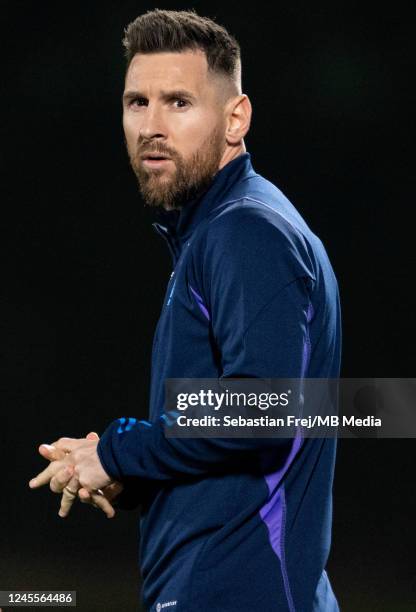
[(226, 524)]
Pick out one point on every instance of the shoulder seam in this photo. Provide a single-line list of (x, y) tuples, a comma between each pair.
[(251, 199), (272, 299), (298, 233), (275, 211)]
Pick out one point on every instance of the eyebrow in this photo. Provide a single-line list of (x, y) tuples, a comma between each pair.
[(164, 95)]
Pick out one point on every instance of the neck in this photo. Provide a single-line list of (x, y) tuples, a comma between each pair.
[(231, 153)]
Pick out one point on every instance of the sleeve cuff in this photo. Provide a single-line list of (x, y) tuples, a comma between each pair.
[(106, 455)]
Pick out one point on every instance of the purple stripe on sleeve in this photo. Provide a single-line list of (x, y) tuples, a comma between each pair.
[(200, 303), (273, 513), (273, 480), (306, 354)]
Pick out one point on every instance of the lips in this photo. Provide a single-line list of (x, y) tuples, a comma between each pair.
[(154, 156), (155, 162)]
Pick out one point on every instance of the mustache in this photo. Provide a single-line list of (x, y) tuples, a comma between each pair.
[(158, 150)]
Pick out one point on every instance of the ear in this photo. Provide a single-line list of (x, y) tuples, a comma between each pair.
[(238, 116)]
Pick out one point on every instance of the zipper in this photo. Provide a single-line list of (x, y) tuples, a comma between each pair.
[(171, 242)]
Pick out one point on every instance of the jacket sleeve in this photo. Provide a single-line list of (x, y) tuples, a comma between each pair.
[(257, 286)]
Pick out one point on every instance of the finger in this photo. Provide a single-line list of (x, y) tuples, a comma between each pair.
[(58, 450), (69, 495), (73, 485), (67, 501), (98, 500), (112, 490), (66, 444), (62, 479), (44, 477), (93, 436), (51, 453), (84, 495)]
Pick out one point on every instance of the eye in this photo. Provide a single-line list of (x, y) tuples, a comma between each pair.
[(180, 102), (138, 102)]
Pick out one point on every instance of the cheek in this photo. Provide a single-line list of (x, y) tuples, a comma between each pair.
[(131, 132), (193, 132)]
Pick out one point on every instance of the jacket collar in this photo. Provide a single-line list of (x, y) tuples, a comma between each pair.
[(178, 225)]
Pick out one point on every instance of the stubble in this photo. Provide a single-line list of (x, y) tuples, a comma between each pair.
[(190, 177)]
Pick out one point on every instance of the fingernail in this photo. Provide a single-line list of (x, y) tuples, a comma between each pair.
[(48, 447), (32, 482)]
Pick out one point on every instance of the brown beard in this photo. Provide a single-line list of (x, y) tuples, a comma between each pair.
[(190, 177)]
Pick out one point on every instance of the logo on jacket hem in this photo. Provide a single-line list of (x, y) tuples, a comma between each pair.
[(165, 604)]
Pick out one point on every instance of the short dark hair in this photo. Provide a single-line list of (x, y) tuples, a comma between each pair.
[(173, 31)]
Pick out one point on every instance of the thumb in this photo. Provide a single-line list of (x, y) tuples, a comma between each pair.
[(92, 436), (51, 453)]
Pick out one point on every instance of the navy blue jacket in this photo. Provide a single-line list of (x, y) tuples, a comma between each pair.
[(233, 525)]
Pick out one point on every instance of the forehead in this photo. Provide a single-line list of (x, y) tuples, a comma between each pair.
[(187, 69)]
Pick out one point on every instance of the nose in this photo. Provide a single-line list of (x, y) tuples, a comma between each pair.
[(152, 125)]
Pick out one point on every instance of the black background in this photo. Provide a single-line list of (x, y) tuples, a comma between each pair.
[(84, 273)]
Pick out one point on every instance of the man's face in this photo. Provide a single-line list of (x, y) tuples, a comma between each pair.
[(173, 108)]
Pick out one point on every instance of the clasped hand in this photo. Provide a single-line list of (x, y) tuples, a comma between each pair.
[(76, 471)]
